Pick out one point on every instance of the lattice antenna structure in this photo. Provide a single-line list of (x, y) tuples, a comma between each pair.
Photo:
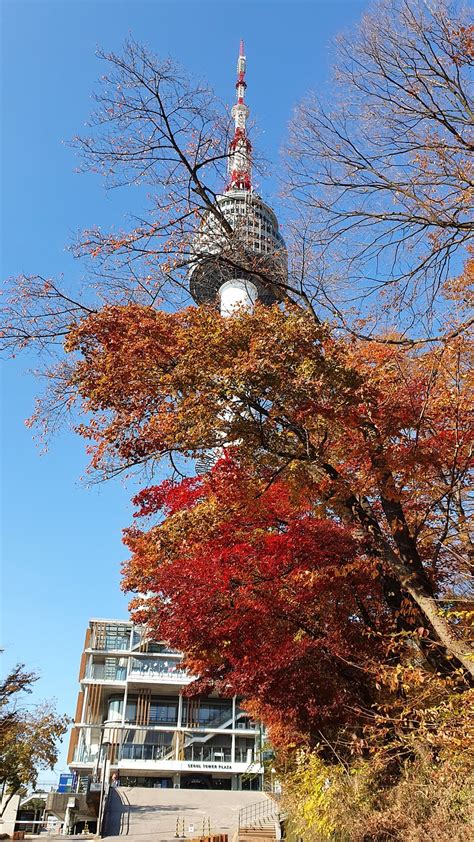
[(240, 148)]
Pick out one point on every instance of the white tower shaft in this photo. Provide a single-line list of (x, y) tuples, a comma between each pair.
[(237, 295)]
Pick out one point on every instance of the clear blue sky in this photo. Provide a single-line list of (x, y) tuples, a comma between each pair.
[(61, 541)]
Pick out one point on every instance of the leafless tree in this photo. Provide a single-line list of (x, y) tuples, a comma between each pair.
[(385, 171)]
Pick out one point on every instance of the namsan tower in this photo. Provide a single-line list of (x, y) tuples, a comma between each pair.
[(242, 259)]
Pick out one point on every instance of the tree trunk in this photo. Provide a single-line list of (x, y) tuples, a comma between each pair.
[(406, 566), (412, 577)]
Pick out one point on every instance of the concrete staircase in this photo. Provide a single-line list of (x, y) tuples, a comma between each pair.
[(259, 822), (156, 815)]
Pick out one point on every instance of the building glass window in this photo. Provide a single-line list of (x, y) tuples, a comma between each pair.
[(117, 637), (163, 711), (207, 713), (115, 710), (244, 750), (131, 711)]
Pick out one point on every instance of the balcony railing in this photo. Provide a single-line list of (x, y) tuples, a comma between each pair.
[(145, 751), (208, 754), (153, 667), (101, 673), (83, 754), (244, 755), (153, 720)]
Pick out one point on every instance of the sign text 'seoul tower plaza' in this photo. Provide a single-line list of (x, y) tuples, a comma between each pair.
[(238, 254)]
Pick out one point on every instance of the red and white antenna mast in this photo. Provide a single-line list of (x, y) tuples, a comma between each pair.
[(240, 148)]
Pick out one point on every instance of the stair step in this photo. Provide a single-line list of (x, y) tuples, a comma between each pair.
[(256, 826), (251, 834)]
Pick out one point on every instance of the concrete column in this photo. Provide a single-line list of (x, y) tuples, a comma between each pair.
[(180, 711), (232, 757), (179, 733), (84, 704)]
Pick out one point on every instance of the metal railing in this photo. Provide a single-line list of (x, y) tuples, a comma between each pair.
[(152, 667), (99, 671), (259, 815)]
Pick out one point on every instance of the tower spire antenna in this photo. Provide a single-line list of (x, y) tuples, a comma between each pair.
[(240, 148)]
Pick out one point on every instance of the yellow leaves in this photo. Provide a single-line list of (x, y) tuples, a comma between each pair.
[(309, 792)]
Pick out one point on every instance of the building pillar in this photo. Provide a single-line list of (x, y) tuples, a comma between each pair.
[(85, 705), (179, 733), (179, 723), (232, 756), (235, 778), (124, 713)]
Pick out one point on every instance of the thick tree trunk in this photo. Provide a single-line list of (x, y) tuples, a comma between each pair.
[(406, 566), (427, 604), (7, 801), (405, 563)]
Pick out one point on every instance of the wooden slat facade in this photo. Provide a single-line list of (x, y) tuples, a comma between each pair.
[(143, 706), (73, 740), (94, 698), (192, 713), (115, 738), (99, 636), (82, 666)]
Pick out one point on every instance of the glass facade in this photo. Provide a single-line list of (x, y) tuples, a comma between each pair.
[(207, 713)]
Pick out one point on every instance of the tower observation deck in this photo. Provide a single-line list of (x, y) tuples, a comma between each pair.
[(244, 260)]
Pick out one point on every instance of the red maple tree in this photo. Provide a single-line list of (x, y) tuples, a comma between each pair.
[(266, 599)]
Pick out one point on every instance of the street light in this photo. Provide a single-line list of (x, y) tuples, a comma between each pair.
[(105, 748)]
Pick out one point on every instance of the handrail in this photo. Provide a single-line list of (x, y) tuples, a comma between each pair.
[(262, 811)]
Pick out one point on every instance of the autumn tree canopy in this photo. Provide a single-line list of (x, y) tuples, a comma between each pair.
[(279, 591), (380, 431), (28, 735)]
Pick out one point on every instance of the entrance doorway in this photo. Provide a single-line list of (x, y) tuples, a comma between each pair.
[(196, 782)]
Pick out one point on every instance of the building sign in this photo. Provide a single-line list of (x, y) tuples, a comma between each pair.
[(210, 766), (66, 783)]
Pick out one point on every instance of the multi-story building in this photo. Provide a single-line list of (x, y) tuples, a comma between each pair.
[(133, 717)]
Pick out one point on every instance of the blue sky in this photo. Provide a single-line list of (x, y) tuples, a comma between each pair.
[(61, 540)]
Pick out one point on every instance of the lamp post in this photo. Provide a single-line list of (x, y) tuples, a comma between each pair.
[(105, 749)]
